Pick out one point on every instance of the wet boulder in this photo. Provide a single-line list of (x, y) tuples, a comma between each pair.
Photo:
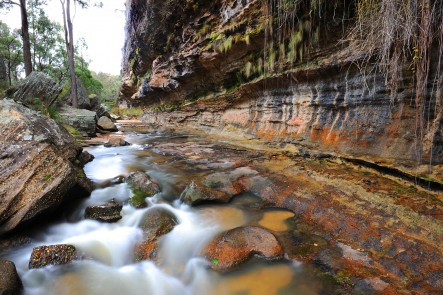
[(114, 141), (106, 124), (10, 283), (108, 212), (142, 186), (236, 246), (155, 223), (195, 194), (40, 167), (52, 255)]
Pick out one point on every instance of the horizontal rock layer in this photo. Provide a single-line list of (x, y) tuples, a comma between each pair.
[(191, 57), (40, 166)]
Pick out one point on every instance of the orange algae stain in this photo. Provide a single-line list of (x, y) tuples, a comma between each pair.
[(264, 280), (275, 220)]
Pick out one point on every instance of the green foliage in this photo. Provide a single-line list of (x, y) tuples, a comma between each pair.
[(111, 86), (72, 130), (215, 261), (53, 113), (167, 107), (137, 200), (10, 53), (47, 177), (130, 112)]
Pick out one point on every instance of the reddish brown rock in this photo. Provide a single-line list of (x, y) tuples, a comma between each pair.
[(232, 248), (52, 255), (156, 223)]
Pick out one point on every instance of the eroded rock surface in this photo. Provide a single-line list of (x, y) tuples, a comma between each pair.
[(155, 223), (52, 255), (39, 166), (10, 282), (234, 247), (108, 212)]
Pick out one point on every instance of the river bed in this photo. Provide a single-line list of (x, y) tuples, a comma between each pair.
[(109, 266)]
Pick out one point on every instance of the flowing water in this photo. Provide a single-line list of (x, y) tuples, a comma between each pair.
[(109, 267)]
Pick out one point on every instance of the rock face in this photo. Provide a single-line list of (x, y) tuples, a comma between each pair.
[(37, 88), (52, 255), (156, 223), (180, 49), (236, 246), (109, 212), (39, 166), (10, 283)]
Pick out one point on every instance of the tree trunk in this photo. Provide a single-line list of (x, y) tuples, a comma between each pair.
[(25, 35), (69, 40)]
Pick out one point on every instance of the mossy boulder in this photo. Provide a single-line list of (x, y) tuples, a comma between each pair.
[(142, 186)]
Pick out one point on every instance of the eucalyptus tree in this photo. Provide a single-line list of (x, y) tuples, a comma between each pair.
[(7, 4), (69, 40), (10, 51)]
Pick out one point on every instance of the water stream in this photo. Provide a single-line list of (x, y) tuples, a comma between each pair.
[(109, 267)]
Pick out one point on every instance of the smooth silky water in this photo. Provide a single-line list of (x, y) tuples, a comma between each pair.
[(109, 266)]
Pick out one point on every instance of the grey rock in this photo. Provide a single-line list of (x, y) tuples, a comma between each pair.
[(196, 194), (109, 212), (10, 283), (82, 120), (36, 89), (106, 124)]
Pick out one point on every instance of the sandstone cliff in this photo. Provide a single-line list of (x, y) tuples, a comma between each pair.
[(207, 65)]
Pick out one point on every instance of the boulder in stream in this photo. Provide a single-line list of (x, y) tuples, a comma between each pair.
[(116, 141), (106, 124), (52, 255), (155, 223), (40, 167), (195, 194), (236, 246), (143, 186), (108, 212), (10, 283)]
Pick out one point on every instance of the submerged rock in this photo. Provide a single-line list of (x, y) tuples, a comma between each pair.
[(10, 283), (40, 166), (106, 124), (155, 223), (195, 194), (143, 186), (109, 212), (52, 255), (237, 245)]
